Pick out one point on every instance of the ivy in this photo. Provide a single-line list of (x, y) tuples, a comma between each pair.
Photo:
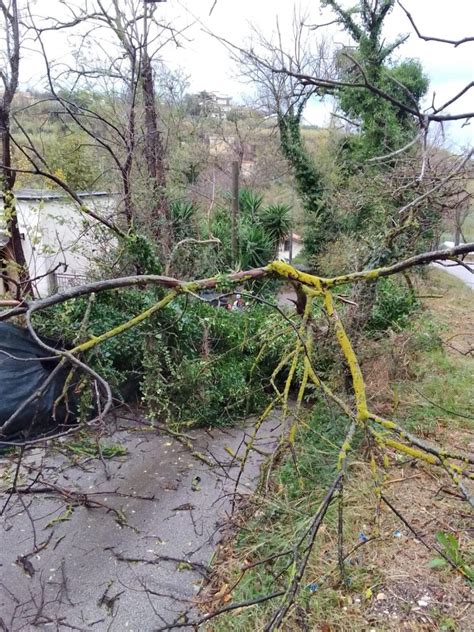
[(309, 181)]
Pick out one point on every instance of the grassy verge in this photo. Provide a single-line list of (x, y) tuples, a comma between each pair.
[(423, 377)]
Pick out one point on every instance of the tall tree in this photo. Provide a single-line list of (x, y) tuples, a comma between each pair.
[(383, 125), (123, 118), (12, 257)]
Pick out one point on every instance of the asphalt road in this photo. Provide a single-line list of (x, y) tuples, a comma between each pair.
[(459, 272), (92, 573)]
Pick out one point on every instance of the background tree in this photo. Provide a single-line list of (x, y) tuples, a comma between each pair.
[(12, 258), (121, 117)]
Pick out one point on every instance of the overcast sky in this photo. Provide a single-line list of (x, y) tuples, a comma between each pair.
[(205, 60)]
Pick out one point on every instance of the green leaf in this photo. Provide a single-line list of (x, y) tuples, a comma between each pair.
[(437, 562)]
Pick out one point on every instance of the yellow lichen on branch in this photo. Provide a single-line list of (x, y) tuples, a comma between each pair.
[(351, 358), (133, 322), (392, 436)]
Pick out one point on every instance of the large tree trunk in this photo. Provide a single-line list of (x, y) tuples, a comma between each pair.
[(154, 154), (12, 255)]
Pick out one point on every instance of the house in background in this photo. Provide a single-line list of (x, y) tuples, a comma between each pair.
[(290, 247), (214, 105), (59, 241)]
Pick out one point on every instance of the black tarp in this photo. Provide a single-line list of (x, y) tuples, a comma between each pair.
[(23, 373)]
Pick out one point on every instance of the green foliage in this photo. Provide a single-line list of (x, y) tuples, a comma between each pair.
[(209, 376), (393, 306), (96, 449), (118, 359), (256, 247), (384, 127), (250, 203), (309, 182), (357, 201), (260, 229), (450, 547), (140, 253), (73, 161), (183, 216), (189, 362), (275, 220)]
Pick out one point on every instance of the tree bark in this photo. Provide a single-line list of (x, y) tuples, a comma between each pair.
[(12, 255), (154, 155)]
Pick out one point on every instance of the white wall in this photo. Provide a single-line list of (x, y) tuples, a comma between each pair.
[(285, 254), (56, 232)]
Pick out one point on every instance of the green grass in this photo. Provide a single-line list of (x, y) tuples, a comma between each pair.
[(443, 386), (442, 383), (282, 518)]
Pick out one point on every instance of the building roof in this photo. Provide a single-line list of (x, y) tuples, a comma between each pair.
[(48, 194)]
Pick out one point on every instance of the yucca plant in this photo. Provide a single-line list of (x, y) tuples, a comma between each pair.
[(275, 219), (250, 203), (256, 247), (183, 214)]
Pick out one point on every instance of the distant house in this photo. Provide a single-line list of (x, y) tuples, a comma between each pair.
[(290, 247), (59, 241), (213, 104)]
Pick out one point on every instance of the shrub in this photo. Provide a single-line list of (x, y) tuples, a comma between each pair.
[(393, 306), (209, 374), (190, 361)]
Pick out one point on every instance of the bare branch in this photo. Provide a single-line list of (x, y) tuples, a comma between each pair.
[(429, 38)]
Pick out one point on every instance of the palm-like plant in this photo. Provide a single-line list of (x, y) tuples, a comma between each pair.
[(256, 247), (260, 229), (183, 213), (275, 219), (250, 203)]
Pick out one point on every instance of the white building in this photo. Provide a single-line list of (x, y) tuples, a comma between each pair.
[(290, 248), (59, 241)]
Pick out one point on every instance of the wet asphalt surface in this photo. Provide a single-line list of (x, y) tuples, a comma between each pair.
[(138, 557)]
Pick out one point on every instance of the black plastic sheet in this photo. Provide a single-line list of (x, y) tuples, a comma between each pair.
[(25, 368)]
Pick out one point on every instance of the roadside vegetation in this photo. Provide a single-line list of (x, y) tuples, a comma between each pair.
[(391, 578)]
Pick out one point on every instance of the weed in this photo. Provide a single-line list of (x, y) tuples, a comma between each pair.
[(450, 548), (95, 449)]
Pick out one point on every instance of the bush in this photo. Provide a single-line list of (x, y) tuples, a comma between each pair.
[(190, 361), (209, 375), (394, 304), (118, 360)]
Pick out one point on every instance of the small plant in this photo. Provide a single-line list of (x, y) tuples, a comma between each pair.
[(250, 203), (393, 306), (183, 214), (94, 449), (450, 548)]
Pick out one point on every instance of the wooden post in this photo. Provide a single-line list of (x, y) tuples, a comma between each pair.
[(290, 247), (457, 226), (235, 210), (52, 283)]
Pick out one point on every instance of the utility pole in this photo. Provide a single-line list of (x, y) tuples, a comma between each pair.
[(235, 209)]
